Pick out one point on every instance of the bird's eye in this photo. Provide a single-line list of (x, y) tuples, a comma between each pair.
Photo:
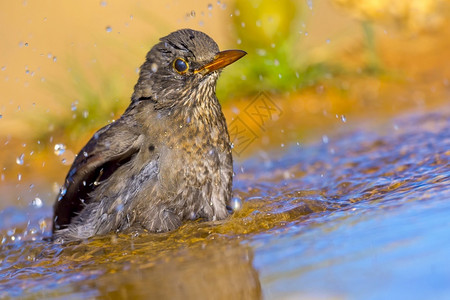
[(180, 65)]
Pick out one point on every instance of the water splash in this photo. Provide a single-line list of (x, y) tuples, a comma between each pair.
[(236, 204), (19, 159), (37, 202), (59, 149), (73, 105)]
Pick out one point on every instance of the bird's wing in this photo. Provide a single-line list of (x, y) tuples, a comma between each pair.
[(110, 147)]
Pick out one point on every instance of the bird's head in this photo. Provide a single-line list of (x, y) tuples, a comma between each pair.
[(182, 68)]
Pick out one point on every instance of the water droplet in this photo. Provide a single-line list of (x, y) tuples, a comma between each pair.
[(282, 145), (243, 24), (60, 149), (276, 62), (108, 29), (119, 207), (239, 41), (310, 4), (258, 23), (37, 202), (42, 225), (306, 33), (19, 177), (236, 204), (73, 106), (1, 116), (261, 52), (19, 160), (328, 41), (103, 3), (325, 139), (54, 58), (237, 12), (26, 44), (62, 192), (154, 67), (85, 114), (210, 6), (3, 68), (193, 13), (343, 118)]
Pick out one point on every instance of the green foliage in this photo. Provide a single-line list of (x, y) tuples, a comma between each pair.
[(276, 62), (82, 105), (268, 31)]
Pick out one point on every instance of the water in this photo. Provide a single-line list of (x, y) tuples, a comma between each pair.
[(363, 215)]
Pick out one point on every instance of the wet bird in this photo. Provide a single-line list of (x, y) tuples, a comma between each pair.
[(167, 159)]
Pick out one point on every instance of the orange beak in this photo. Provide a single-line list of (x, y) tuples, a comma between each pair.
[(221, 60)]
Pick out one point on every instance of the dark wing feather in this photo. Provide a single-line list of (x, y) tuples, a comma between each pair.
[(109, 148)]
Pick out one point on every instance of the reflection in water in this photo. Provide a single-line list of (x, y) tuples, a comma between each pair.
[(312, 221), (217, 271), (163, 266)]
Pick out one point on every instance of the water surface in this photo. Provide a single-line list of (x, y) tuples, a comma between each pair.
[(362, 214)]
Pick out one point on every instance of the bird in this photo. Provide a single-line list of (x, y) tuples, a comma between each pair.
[(166, 160)]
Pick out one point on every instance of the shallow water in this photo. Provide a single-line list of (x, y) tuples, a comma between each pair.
[(364, 215)]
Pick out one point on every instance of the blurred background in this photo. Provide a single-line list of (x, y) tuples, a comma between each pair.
[(68, 68), (339, 117)]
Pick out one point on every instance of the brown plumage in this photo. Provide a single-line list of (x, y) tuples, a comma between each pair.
[(168, 157)]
